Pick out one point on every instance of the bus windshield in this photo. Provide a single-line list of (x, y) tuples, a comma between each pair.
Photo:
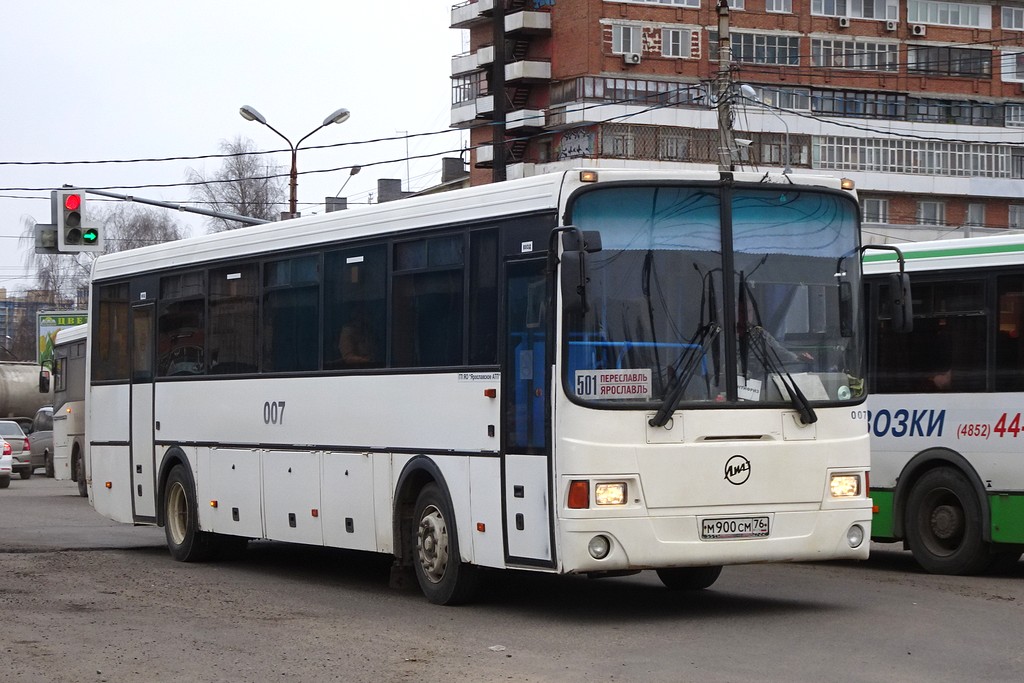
[(662, 327)]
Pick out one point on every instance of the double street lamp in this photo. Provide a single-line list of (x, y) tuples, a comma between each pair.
[(250, 114)]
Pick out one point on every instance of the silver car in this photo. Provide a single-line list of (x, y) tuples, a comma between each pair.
[(5, 466), (40, 437), (21, 452)]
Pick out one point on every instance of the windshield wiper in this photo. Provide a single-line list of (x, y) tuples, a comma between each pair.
[(762, 344), (689, 361)]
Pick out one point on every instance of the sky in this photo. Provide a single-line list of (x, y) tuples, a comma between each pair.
[(121, 80)]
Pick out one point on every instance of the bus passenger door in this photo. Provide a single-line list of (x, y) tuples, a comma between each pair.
[(526, 461), (143, 359)]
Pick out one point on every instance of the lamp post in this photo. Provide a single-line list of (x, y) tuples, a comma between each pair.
[(250, 114), (748, 93)]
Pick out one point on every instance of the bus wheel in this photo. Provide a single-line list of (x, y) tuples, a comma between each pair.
[(181, 519), (943, 524), (689, 578), (442, 577), (48, 459), (83, 489)]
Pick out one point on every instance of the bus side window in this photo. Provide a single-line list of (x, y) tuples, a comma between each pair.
[(1009, 374)]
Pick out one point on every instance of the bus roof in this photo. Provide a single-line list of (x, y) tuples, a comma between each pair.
[(968, 252), (67, 335), (521, 196)]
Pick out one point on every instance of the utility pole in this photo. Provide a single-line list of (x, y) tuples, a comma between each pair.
[(723, 88)]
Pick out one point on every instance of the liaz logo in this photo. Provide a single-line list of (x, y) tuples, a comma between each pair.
[(737, 470)]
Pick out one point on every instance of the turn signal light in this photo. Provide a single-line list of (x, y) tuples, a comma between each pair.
[(579, 494)]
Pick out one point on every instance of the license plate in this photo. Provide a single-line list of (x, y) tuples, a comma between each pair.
[(723, 528)]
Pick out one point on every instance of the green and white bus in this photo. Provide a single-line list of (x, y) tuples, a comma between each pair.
[(593, 372), (947, 454)]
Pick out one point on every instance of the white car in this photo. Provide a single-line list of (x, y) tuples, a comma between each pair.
[(5, 466)]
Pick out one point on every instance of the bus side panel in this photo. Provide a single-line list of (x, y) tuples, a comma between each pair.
[(68, 423), (347, 501), (112, 481), (232, 479), (484, 476), (291, 496), (112, 400)]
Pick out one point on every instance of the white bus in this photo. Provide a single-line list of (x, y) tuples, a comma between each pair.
[(945, 411), (591, 372), (69, 406)]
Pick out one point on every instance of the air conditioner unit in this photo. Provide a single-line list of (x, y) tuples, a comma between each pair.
[(844, 22), (892, 25), (918, 29), (630, 57)]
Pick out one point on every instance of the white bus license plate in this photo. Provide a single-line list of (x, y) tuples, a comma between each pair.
[(733, 527)]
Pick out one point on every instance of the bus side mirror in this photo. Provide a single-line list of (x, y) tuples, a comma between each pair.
[(44, 381), (900, 303), (576, 245), (845, 309)]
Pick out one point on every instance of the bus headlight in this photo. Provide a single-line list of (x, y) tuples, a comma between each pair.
[(844, 485), (610, 493)]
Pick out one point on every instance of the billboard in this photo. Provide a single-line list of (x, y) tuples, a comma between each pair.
[(48, 323)]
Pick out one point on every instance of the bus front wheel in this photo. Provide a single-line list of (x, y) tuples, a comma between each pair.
[(689, 578), (943, 524), (83, 488), (443, 577)]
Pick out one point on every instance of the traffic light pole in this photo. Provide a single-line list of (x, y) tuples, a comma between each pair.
[(249, 220)]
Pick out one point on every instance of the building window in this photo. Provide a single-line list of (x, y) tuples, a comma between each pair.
[(1012, 66), (850, 54), (675, 42), (975, 215), (1015, 115), (949, 13), (763, 48), (828, 8), (875, 210), (949, 61), (626, 39), (858, 104), (1016, 220), (931, 213), (779, 6), (677, 3), (1013, 19)]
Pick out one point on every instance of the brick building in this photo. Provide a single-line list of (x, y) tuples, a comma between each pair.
[(921, 102)]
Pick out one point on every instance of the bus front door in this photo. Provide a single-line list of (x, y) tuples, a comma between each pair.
[(526, 462), (142, 453)]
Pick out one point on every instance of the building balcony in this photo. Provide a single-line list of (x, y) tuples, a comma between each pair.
[(464, 63), (469, 14), (466, 114), (525, 120), (528, 71), (528, 23)]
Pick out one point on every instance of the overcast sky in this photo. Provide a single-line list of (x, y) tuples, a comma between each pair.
[(117, 79)]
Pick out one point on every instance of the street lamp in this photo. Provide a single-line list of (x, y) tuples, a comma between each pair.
[(748, 93), (250, 114)]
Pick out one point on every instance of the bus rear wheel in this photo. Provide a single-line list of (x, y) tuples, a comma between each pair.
[(943, 524), (48, 460), (689, 578), (83, 488), (443, 577), (181, 519)]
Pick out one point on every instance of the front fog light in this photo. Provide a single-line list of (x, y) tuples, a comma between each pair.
[(844, 485), (599, 547), (855, 536)]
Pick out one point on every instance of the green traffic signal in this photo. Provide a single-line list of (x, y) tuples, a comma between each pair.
[(90, 235)]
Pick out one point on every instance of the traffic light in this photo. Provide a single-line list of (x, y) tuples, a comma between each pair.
[(73, 234)]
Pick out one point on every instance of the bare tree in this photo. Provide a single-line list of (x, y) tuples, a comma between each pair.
[(130, 226), (246, 184)]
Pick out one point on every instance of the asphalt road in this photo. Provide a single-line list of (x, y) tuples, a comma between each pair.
[(84, 599)]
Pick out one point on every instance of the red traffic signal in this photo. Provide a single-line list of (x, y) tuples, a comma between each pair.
[(72, 202)]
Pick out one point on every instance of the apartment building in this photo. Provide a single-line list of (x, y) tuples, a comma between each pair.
[(921, 102)]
